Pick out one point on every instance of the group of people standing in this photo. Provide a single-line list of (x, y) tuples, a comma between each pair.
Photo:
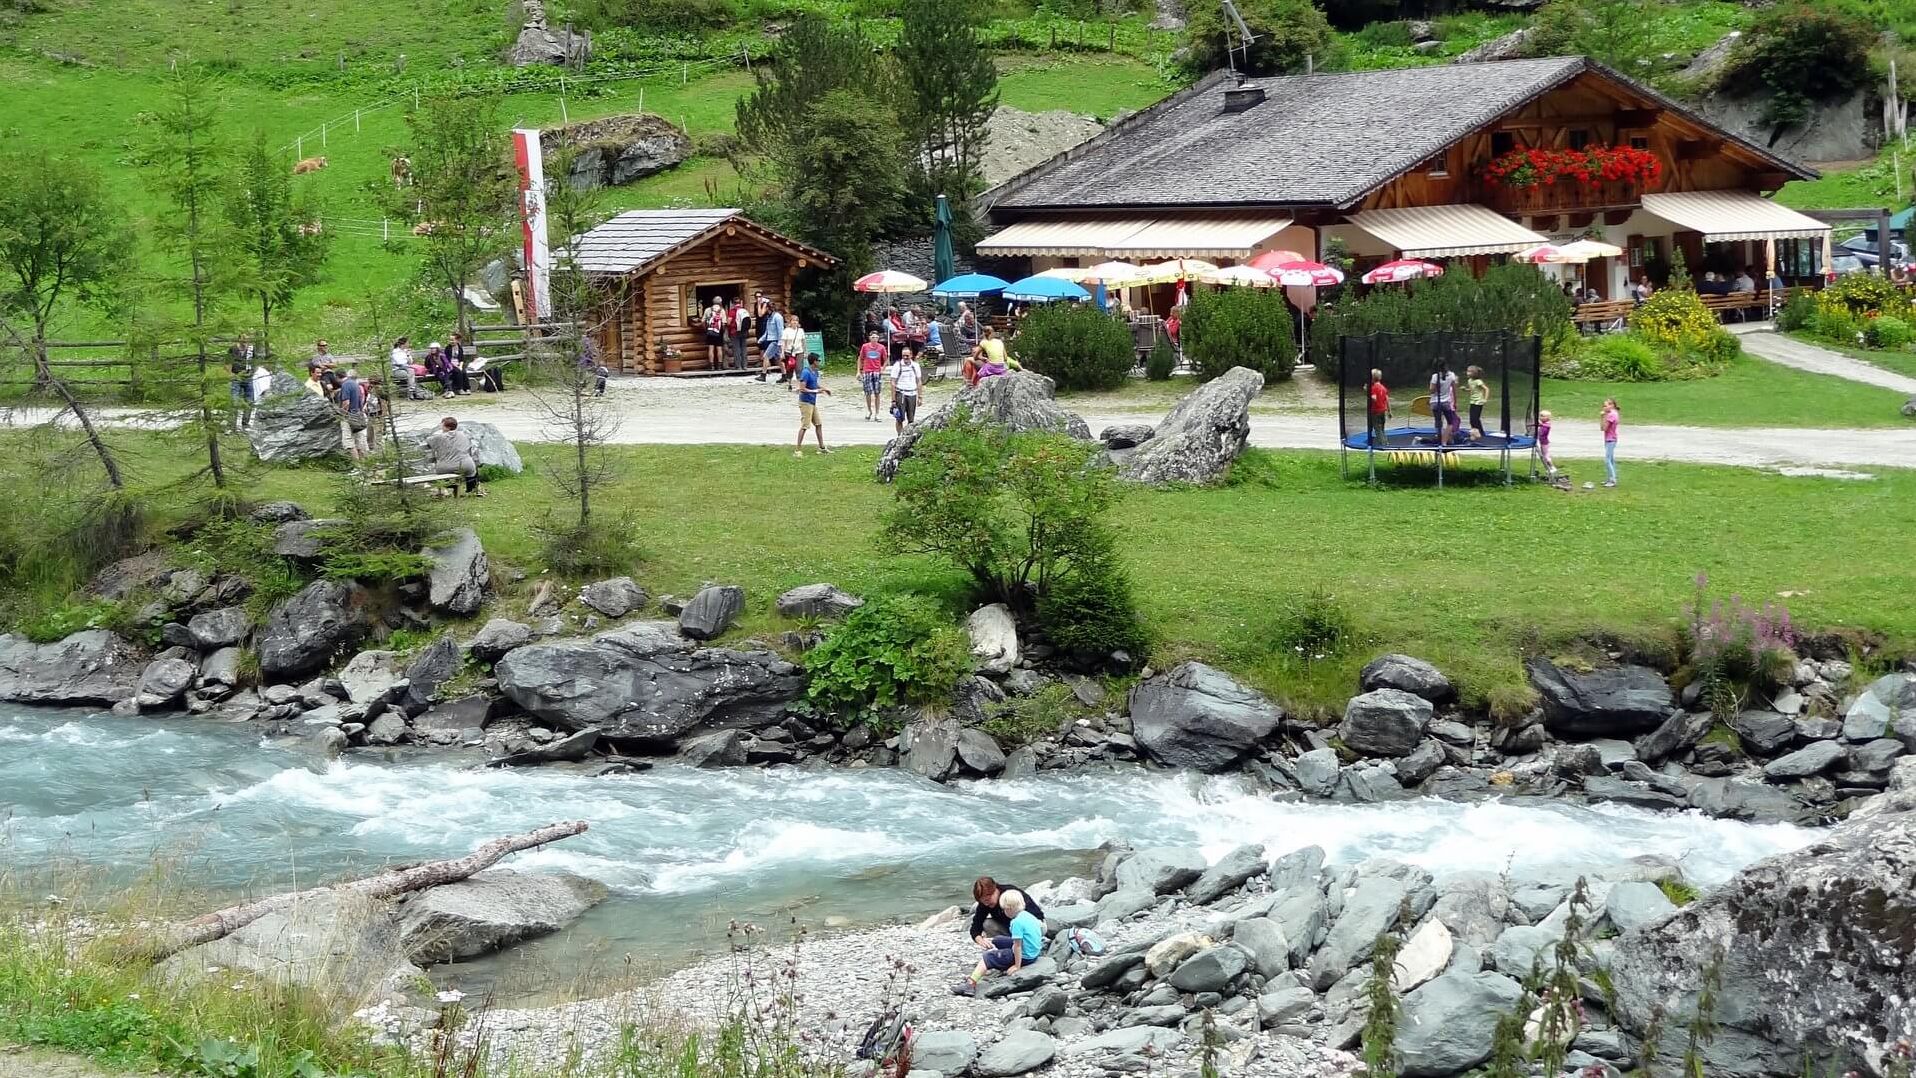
[(731, 330), (360, 401), (1450, 428)]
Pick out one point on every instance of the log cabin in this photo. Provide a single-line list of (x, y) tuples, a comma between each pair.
[(1412, 163), (653, 272)]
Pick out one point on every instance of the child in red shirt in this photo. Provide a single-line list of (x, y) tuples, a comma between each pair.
[(871, 372), (1379, 408)]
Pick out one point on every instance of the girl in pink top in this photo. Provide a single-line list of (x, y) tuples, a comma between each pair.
[(1610, 417), (1543, 443)]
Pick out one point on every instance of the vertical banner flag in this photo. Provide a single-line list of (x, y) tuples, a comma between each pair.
[(532, 191)]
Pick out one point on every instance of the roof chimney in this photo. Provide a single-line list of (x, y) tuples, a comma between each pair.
[(1240, 98)]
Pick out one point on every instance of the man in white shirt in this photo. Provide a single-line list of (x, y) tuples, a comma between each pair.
[(1744, 282), (906, 376)]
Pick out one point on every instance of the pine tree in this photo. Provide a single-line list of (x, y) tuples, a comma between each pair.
[(277, 247), (951, 91)]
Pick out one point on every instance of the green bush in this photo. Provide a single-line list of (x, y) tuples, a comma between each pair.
[(898, 649), (1078, 347), (1684, 333), (1797, 312), (1834, 322), (1288, 33), (1512, 298), (604, 547), (1314, 627), (1162, 363), (1045, 713), (1887, 331), (1803, 54), (1239, 327), (60, 622), (1612, 357), (1091, 613)]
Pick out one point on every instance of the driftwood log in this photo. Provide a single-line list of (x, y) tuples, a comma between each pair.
[(206, 928)]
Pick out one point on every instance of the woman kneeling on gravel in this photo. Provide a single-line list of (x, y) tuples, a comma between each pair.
[(1007, 954), (989, 918)]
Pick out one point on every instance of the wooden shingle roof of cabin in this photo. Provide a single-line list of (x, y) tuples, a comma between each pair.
[(636, 239), (1312, 140)]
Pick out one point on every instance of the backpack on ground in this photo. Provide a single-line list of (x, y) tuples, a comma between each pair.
[(888, 1036), (1085, 942)]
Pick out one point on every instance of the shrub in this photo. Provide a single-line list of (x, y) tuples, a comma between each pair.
[(899, 649), (1014, 511), (604, 547), (1162, 363), (1043, 714), (1315, 627), (1804, 54), (1677, 324), (1076, 347), (1798, 312), (1736, 650), (1834, 322), (1512, 298), (1091, 613), (1612, 357), (1239, 327), (1887, 331), (1863, 294)]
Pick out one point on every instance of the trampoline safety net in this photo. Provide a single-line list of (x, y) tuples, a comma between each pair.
[(1510, 363)]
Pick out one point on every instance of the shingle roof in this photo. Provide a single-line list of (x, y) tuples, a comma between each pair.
[(637, 237), (1314, 139)]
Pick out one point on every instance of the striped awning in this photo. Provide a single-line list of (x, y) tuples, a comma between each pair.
[(1447, 231), (1154, 238), (1733, 215)]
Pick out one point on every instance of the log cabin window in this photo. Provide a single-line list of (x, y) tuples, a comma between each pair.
[(1502, 142), (1579, 138), (1639, 142)]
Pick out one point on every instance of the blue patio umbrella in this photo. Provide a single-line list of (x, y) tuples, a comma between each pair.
[(1044, 290), (968, 286), (943, 265)]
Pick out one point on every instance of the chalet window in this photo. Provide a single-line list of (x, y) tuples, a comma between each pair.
[(1502, 142), (1579, 138), (1639, 142), (1437, 167)]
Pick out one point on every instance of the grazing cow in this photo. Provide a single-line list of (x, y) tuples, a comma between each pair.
[(311, 228), (402, 172), (311, 164), (423, 228)]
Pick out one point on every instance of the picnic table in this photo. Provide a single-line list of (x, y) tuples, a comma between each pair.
[(449, 480)]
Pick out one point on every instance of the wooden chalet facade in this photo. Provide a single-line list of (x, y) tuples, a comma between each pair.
[(654, 271), (1400, 164)]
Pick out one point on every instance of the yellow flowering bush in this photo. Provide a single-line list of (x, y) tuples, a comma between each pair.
[(1675, 323)]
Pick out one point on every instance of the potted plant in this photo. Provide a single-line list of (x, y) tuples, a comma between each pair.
[(669, 361)]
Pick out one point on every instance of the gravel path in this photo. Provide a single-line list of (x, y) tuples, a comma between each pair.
[(18, 1062), (1808, 357)]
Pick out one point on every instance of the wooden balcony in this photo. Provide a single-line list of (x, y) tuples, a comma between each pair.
[(1560, 198)]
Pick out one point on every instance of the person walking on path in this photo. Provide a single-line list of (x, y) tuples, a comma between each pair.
[(771, 338), (239, 366), (809, 387), (1379, 409), (906, 376), (871, 373), (1611, 416), (453, 453)]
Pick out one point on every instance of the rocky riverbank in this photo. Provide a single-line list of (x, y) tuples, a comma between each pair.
[(1274, 956)]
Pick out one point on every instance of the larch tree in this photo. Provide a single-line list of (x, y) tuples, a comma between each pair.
[(951, 91), (278, 246), (62, 242), (464, 190)]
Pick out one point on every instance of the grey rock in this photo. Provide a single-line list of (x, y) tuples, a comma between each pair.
[(221, 667), (1270, 949), (1020, 763), (570, 748), (1607, 702), (1817, 728), (1107, 972), (388, 729), (994, 638), (1675, 734), (1297, 870), (220, 628), (490, 445), (303, 539), (1868, 718), (1763, 732), (1210, 970), (712, 611), (164, 681), (1518, 949), (1452, 733), (1159, 1014), (308, 631), (1020, 401), (492, 910), (496, 637), (92, 666), (1302, 916), (1070, 915), (1201, 435), (1385, 722), (1576, 761), (1028, 978), (1634, 903), (823, 601), (1369, 910), (369, 675), (1317, 771), (1409, 675), (1472, 905), (1161, 869), (1876, 756), (978, 753), (946, 1051), (1421, 764), (1197, 716), (1048, 1001), (646, 683), (1369, 786), (327, 939), (1446, 1025), (1508, 47), (1125, 902), (460, 716), (436, 664), (1126, 435), (1285, 1006), (293, 428), (615, 598), (929, 747), (1230, 873), (1603, 788), (1731, 799), (720, 748), (1133, 1039), (460, 576), (1536, 901), (277, 513), (1812, 759)]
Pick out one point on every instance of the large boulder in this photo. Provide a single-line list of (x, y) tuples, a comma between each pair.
[(293, 428), (1231, 872), (436, 664), (369, 675), (539, 44), (1370, 909), (1446, 1025), (994, 638), (1815, 948), (164, 681), (328, 940), (1210, 970), (1412, 675), (1200, 436), (460, 575), (307, 632), (1197, 716), (822, 601), (490, 911), (1021, 401), (647, 683), (929, 747), (1021, 1051), (619, 149), (497, 637), (92, 666), (1161, 869), (220, 628), (615, 598), (1385, 722), (303, 539), (712, 611), (1617, 700)]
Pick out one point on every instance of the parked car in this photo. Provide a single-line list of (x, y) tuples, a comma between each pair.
[(1846, 263), (1863, 246)]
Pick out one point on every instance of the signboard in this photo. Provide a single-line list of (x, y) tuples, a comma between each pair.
[(815, 344)]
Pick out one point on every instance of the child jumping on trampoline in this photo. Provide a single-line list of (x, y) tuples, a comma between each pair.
[(1479, 396), (1379, 409), (1443, 404)]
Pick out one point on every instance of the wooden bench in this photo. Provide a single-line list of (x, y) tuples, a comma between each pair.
[(1604, 315), (436, 480), (1739, 304)]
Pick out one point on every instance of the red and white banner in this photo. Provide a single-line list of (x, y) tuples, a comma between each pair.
[(526, 152)]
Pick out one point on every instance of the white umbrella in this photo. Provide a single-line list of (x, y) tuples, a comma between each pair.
[(1585, 250), (1249, 276)]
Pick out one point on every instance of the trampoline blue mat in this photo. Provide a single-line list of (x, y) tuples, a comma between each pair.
[(1424, 439)]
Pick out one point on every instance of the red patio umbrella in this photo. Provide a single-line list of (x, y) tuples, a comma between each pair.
[(1269, 259), (1404, 269), (1303, 273)]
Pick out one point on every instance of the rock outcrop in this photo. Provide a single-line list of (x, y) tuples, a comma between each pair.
[(1610, 702), (823, 601), (1200, 436), (1020, 401), (308, 631), (93, 666), (647, 683), (490, 911), (293, 428), (1197, 716), (616, 150), (460, 576), (539, 44)]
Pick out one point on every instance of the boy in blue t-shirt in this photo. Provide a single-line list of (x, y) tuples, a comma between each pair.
[(809, 387), (1008, 954)]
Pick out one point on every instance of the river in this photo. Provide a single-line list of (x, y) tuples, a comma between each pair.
[(685, 852)]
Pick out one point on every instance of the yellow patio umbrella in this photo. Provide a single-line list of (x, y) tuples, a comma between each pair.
[(1249, 276), (1176, 269), (1585, 250), (1114, 275)]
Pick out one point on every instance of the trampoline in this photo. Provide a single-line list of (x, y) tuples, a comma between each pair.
[(1510, 364)]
